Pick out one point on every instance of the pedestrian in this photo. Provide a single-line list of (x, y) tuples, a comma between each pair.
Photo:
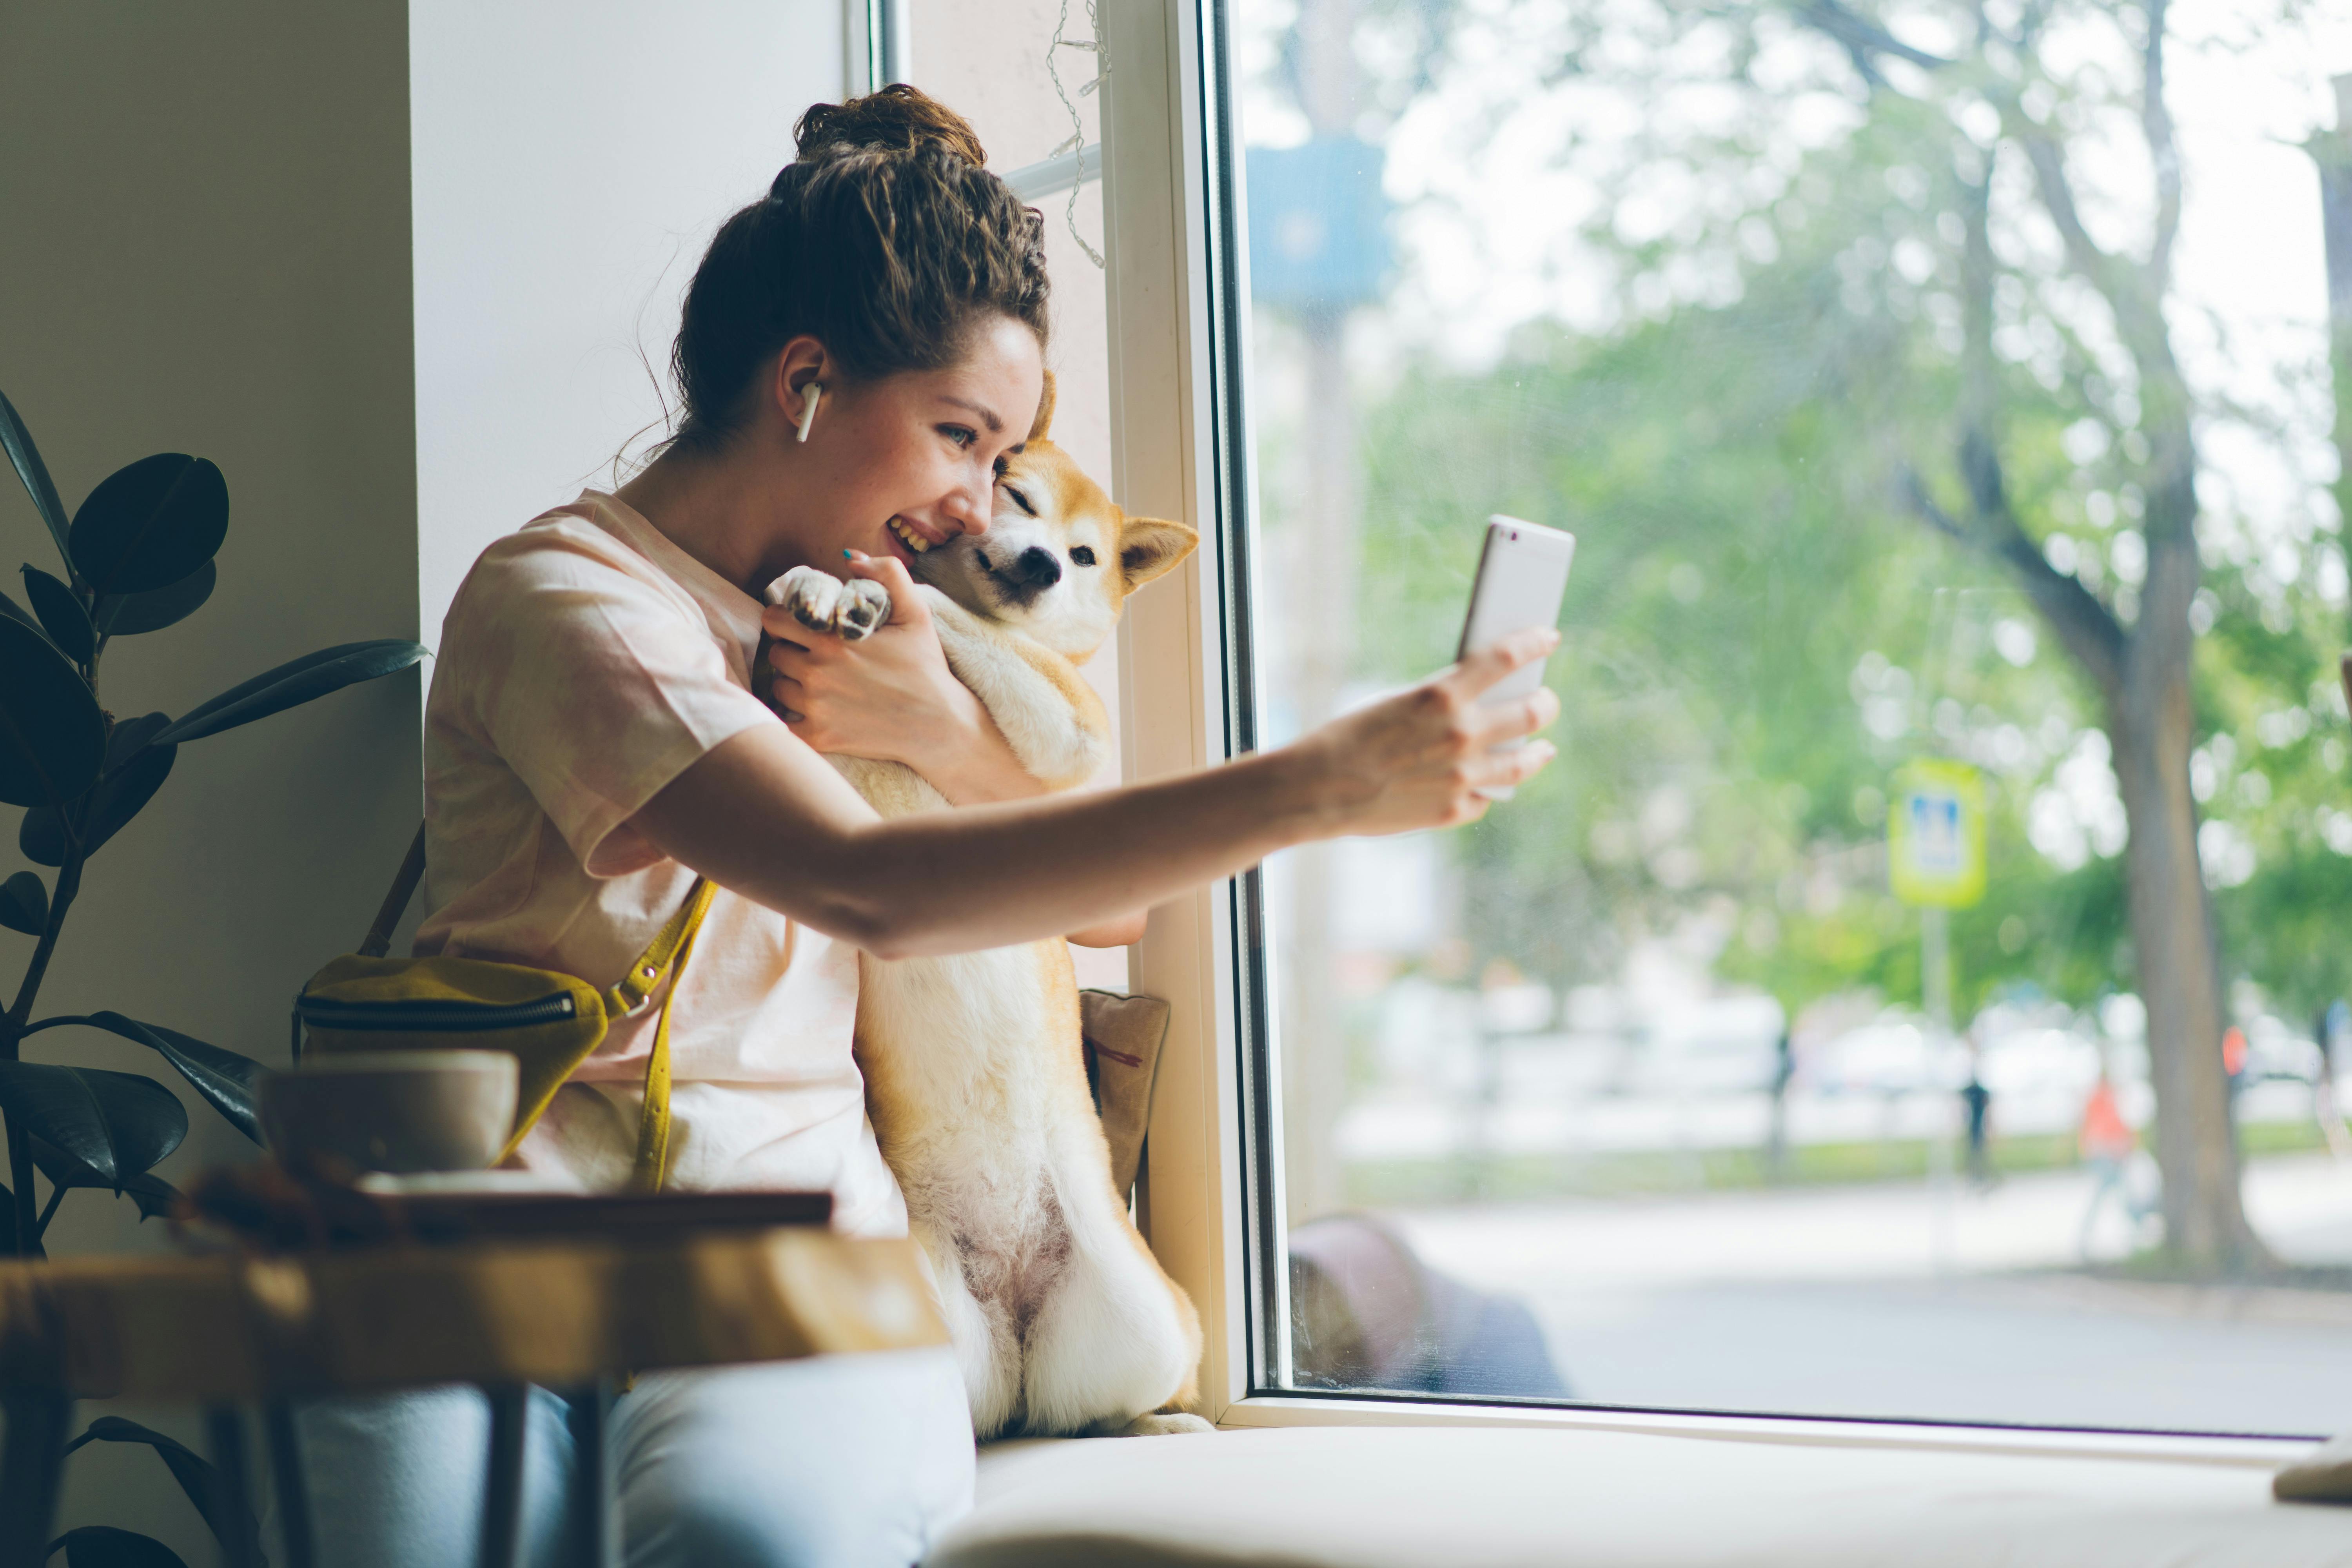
[(1776, 1144), (2105, 1142), (2323, 1102), (1977, 1101)]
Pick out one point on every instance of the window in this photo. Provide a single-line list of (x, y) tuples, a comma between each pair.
[(1024, 96), (1950, 668)]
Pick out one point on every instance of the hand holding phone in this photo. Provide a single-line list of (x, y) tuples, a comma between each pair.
[(1522, 578)]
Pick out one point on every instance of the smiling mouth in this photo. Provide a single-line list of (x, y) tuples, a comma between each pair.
[(908, 537)]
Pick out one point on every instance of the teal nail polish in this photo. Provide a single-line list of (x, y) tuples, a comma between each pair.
[(845, 555)]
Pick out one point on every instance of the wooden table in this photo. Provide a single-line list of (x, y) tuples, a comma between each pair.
[(503, 1311)]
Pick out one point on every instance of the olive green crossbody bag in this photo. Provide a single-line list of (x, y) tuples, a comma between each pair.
[(548, 1021)]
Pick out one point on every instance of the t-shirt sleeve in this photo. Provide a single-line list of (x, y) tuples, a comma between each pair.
[(590, 681)]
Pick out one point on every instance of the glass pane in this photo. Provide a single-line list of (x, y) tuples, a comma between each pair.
[(1916, 992), (997, 66)]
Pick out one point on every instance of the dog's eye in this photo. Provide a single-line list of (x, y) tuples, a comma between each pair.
[(1020, 501), (1082, 555)]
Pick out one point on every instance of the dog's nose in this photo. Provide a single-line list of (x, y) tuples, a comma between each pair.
[(1037, 567)]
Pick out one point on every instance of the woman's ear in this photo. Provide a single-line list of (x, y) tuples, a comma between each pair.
[(1149, 546), (1043, 423), (802, 363)]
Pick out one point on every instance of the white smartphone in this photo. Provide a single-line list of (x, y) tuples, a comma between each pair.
[(1522, 578)]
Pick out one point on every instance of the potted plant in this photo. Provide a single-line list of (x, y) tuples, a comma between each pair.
[(138, 559)]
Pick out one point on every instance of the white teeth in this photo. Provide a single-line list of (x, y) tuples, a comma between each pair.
[(914, 541)]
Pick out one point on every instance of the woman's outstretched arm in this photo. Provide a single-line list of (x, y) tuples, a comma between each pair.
[(764, 816)]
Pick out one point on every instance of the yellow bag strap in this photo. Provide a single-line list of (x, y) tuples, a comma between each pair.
[(676, 940), (669, 943)]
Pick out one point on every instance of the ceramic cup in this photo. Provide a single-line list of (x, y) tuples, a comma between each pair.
[(394, 1110)]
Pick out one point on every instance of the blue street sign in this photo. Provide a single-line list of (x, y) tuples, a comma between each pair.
[(1318, 225)]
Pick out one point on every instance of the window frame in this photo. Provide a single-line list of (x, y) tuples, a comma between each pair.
[(1211, 1199)]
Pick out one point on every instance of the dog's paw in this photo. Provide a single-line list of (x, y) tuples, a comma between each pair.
[(864, 606), (1163, 1423), (814, 597), (823, 603)]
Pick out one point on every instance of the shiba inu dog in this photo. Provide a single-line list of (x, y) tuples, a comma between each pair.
[(976, 1077)]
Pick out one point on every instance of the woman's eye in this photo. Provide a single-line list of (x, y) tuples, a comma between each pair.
[(1083, 554), (963, 436)]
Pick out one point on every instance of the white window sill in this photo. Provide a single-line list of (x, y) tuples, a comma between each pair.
[(1579, 1495)]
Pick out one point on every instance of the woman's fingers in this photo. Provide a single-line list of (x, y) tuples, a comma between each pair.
[(1510, 721), (907, 606), (1482, 669), (1511, 765)]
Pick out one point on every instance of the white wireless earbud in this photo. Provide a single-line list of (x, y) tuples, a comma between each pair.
[(808, 407)]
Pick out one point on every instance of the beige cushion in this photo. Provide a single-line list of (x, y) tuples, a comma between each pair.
[(1123, 1037), (1376, 1497)]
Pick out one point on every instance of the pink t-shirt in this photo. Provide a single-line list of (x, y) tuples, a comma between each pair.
[(587, 662)]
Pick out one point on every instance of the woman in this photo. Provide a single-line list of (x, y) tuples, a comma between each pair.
[(860, 355)]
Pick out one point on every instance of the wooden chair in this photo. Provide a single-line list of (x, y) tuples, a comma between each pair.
[(565, 1293)]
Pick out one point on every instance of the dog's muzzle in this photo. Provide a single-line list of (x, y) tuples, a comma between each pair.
[(1026, 575)]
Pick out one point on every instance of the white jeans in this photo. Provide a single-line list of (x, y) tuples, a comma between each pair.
[(846, 1461)]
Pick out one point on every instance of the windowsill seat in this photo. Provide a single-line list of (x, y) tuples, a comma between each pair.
[(1357, 1497)]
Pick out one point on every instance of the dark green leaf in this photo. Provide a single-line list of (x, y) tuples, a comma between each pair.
[(150, 523), (61, 614), (126, 615), (52, 736), (24, 903), (103, 1546), (152, 1192), (17, 612), (156, 1197), (36, 475), (231, 1083), (122, 795), (112, 1125), (290, 684), (130, 734), (190, 1469)]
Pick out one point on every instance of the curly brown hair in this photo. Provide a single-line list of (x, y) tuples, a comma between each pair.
[(885, 238)]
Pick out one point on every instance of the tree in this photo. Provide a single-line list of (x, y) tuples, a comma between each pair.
[(2018, 388), (2140, 667)]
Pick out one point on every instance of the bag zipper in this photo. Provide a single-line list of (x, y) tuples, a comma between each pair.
[(423, 1015)]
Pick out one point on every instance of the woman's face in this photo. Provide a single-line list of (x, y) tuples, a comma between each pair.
[(906, 462)]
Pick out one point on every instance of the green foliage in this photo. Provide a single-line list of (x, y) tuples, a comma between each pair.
[(195, 1475), (1762, 624), (149, 524), (231, 1082), (61, 616), (24, 903), (26, 459), (112, 1125), (127, 615), (52, 732), (103, 1546), (139, 557)]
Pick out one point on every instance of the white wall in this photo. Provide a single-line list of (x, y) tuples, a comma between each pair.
[(571, 158)]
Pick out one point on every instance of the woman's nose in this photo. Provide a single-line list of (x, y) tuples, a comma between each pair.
[(970, 508)]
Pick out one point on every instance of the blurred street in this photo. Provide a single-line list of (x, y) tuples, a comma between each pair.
[(1911, 1299)]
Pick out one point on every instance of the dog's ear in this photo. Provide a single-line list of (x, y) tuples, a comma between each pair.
[(1044, 424), (1149, 546)]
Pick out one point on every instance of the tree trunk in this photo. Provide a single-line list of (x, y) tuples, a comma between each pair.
[(2151, 727), (2179, 979)]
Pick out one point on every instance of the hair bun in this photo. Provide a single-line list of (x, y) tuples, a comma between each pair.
[(898, 119)]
